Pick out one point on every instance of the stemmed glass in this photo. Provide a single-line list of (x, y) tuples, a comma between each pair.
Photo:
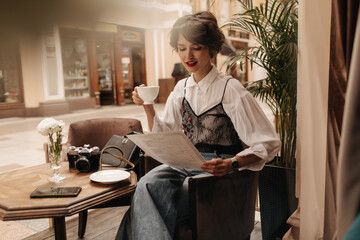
[(55, 164), (53, 130)]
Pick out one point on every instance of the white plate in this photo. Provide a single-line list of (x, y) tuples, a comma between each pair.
[(109, 176)]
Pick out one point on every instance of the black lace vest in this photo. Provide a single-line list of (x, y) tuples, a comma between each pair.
[(212, 130)]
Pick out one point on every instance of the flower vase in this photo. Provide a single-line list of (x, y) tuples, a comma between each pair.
[(55, 164), (53, 130)]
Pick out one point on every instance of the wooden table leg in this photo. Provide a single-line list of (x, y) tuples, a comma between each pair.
[(82, 223), (59, 228)]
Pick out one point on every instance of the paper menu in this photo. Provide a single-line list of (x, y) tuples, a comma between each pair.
[(172, 148)]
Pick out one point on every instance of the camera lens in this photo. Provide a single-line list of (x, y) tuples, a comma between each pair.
[(82, 164)]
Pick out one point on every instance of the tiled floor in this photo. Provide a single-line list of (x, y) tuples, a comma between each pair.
[(14, 230), (21, 146)]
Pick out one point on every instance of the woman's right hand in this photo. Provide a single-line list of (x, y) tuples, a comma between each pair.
[(135, 96)]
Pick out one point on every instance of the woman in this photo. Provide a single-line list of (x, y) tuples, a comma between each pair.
[(217, 114)]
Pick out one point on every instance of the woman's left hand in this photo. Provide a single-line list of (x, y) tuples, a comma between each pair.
[(217, 166)]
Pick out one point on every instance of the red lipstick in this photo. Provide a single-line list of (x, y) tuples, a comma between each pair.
[(191, 64)]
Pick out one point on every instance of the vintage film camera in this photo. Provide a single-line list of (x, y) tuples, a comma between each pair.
[(84, 159)]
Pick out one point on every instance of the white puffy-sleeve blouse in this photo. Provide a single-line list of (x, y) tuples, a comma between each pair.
[(250, 122)]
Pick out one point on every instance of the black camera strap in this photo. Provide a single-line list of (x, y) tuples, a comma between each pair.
[(116, 156)]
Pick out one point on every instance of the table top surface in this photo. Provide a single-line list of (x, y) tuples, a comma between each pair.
[(16, 187)]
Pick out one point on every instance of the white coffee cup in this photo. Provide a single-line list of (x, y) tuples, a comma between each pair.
[(148, 94)]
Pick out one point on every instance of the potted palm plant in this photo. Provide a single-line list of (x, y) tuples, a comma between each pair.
[(273, 26)]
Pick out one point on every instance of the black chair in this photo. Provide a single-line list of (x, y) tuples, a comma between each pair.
[(220, 207)]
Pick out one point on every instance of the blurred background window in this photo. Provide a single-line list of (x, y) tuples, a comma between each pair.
[(75, 63), (10, 72)]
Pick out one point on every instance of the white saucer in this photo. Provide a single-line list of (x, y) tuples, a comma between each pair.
[(110, 176)]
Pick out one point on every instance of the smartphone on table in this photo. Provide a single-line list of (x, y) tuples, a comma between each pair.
[(46, 192)]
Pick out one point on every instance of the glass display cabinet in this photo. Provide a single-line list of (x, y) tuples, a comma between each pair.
[(75, 65)]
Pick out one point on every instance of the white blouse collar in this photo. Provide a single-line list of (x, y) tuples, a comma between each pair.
[(205, 83)]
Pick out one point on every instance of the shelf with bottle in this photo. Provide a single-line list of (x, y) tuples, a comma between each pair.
[(76, 93), (75, 78), (75, 81), (76, 86)]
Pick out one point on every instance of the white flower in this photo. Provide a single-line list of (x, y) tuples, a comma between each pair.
[(53, 130), (48, 126)]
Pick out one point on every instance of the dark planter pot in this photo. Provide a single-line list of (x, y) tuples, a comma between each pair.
[(277, 200)]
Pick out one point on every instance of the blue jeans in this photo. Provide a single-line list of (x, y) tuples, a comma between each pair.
[(160, 199)]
